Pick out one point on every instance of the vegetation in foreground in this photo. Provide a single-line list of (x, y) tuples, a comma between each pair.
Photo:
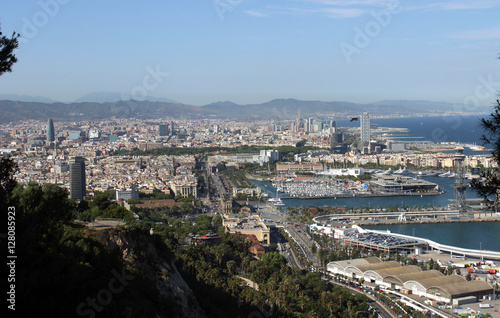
[(65, 266)]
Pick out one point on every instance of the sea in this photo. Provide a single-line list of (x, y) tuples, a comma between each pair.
[(463, 129), (460, 129)]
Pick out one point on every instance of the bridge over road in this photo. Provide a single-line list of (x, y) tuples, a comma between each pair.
[(482, 254), (406, 216)]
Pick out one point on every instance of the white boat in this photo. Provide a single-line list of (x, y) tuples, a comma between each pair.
[(275, 201), (445, 175), (428, 173), (402, 171), (279, 203), (477, 148)]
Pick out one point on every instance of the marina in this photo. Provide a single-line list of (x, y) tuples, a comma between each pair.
[(383, 185)]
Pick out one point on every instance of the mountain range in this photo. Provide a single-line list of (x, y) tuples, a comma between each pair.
[(97, 97), (280, 110)]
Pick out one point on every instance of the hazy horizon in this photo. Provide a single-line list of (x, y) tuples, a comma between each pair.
[(251, 52)]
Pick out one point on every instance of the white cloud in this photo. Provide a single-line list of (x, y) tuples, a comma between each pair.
[(337, 13), (339, 3), (484, 34), (343, 13), (341, 9), (255, 13), (456, 5), (338, 9)]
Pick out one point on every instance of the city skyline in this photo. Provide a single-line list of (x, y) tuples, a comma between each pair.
[(252, 52)]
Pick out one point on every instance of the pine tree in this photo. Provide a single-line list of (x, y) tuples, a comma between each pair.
[(7, 47)]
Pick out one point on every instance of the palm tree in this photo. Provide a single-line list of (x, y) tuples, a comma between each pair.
[(302, 301), (231, 265)]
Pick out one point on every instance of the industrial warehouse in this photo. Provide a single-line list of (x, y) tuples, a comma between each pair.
[(411, 279)]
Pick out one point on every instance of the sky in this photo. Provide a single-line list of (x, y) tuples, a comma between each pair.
[(253, 51)]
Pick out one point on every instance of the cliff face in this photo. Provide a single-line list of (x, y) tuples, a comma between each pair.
[(147, 254)]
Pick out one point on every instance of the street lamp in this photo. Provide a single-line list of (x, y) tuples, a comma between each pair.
[(481, 251)]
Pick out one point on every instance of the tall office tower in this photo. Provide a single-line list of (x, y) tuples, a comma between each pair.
[(298, 121), (163, 130), (310, 124), (333, 124), (172, 131), (319, 126), (50, 131), (365, 128), (77, 184)]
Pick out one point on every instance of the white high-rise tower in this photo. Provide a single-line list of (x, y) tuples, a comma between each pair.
[(365, 128)]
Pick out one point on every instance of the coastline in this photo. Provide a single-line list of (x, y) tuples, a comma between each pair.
[(393, 222), (365, 195)]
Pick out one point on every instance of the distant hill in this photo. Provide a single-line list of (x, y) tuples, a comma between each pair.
[(11, 111), (281, 109), (110, 97), (26, 98), (277, 109), (287, 109)]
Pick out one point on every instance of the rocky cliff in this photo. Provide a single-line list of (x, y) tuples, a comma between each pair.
[(149, 256)]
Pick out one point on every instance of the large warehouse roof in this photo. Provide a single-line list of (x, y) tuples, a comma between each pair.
[(398, 270), (376, 266), (401, 278), (461, 289), (424, 284), (441, 281), (380, 274), (355, 262)]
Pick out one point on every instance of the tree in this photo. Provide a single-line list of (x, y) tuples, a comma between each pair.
[(468, 277), (41, 208), (489, 184), (7, 181), (7, 47), (301, 143)]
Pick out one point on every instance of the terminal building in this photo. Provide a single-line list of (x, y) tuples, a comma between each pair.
[(411, 279), (383, 242), (402, 184)]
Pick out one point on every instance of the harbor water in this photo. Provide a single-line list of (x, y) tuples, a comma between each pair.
[(462, 129), (442, 200), (473, 235)]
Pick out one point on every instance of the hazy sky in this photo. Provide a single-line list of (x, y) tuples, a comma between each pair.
[(252, 51)]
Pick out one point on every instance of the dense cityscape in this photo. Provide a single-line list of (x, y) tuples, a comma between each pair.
[(250, 159), (168, 169)]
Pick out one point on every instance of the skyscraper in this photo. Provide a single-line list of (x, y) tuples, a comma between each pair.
[(172, 129), (77, 184), (50, 131), (163, 128), (333, 124), (365, 128), (298, 121)]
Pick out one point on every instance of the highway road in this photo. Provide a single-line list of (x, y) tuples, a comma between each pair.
[(295, 229), (381, 309)]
